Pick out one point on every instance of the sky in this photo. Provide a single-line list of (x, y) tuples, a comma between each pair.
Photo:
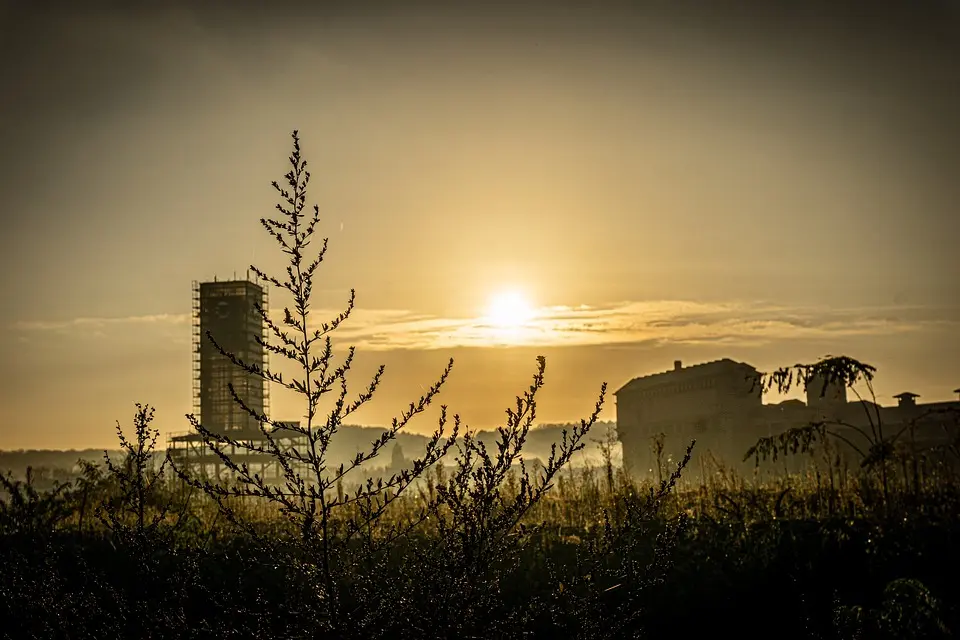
[(661, 181)]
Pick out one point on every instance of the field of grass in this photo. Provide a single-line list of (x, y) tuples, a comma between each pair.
[(596, 556)]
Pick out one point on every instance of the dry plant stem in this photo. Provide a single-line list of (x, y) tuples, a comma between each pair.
[(305, 498)]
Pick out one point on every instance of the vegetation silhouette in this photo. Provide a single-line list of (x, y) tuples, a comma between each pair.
[(875, 447), (474, 517), (472, 540)]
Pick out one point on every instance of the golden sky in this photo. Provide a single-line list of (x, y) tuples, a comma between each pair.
[(660, 185)]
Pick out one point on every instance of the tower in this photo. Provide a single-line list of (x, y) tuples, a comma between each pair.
[(228, 311)]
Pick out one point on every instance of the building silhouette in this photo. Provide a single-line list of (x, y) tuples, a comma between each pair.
[(719, 404), (227, 312)]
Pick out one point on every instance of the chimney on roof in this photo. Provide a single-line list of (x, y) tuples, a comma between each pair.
[(677, 365), (906, 399), (957, 391)]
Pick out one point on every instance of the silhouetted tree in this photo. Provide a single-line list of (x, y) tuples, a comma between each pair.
[(308, 494)]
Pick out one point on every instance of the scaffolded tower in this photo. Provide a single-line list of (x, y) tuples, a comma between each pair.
[(226, 311)]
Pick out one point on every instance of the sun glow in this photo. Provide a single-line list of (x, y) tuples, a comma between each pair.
[(509, 309)]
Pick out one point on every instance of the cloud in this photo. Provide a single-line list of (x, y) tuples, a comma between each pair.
[(624, 323), (676, 322), (93, 324)]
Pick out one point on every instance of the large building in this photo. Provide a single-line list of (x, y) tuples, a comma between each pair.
[(227, 312), (720, 405)]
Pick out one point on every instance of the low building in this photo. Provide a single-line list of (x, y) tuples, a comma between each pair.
[(720, 405)]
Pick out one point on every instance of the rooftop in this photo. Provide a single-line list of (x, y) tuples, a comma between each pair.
[(680, 373)]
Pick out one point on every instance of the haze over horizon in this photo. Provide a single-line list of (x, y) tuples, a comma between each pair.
[(657, 184)]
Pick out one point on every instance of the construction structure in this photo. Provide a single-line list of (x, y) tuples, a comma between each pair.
[(227, 318), (227, 313), (720, 405)]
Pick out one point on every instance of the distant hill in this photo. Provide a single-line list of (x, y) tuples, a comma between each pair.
[(344, 446), (17, 461)]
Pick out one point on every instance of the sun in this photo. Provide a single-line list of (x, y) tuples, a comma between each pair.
[(509, 309)]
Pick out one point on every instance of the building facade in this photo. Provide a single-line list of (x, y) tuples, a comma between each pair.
[(719, 404), (227, 311)]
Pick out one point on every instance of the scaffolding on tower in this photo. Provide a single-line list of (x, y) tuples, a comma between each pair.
[(232, 314)]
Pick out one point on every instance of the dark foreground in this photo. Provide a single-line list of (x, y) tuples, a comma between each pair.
[(732, 559)]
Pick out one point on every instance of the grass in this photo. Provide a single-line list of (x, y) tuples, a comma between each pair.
[(741, 556)]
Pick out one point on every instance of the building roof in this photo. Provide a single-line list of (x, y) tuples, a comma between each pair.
[(704, 369), (792, 402)]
